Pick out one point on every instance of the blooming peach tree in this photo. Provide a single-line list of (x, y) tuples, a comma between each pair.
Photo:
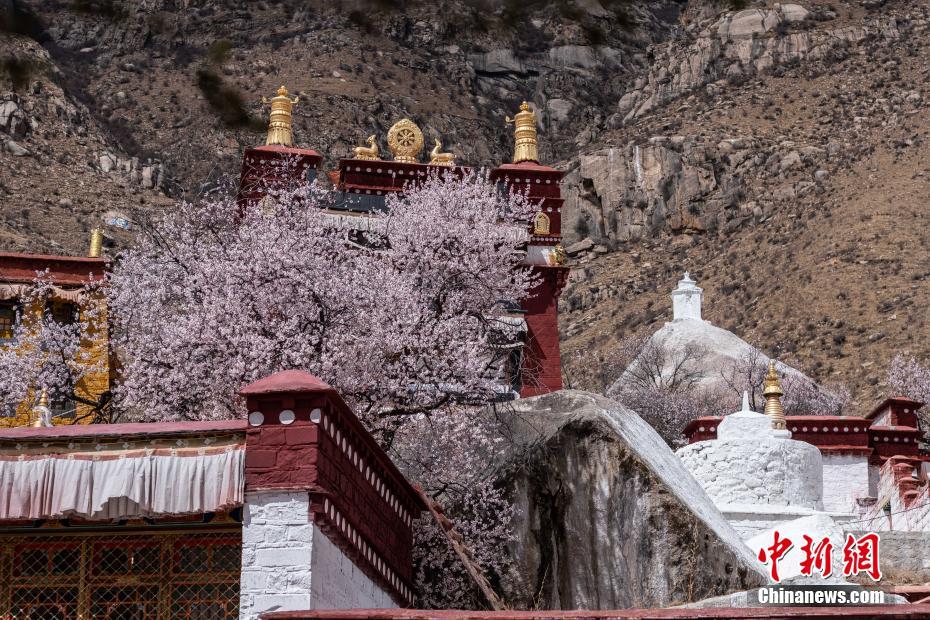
[(398, 317), (401, 312)]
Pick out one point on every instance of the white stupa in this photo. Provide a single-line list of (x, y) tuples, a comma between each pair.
[(721, 348), (754, 472), (686, 300)]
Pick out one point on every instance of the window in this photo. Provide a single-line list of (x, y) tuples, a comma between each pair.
[(8, 318), (62, 407), (62, 312)]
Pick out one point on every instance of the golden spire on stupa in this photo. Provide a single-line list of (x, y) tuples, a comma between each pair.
[(526, 143), (40, 410), (279, 125), (772, 393)]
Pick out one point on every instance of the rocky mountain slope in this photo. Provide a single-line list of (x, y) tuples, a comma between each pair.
[(775, 151), (782, 162), (167, 94)]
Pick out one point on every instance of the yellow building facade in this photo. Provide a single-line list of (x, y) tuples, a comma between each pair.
[(67, 298)]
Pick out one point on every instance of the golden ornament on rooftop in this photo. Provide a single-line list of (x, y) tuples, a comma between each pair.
[(41, 411), (279, 125), (772, 393), (438, 158), (96, 243), (367, 152), (405, 140), (526, 142), (558, 253)]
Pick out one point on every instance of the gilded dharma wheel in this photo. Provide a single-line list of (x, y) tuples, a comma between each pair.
[(405, 141)]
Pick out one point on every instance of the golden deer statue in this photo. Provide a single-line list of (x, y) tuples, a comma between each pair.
[(438, 158), (367, 152)]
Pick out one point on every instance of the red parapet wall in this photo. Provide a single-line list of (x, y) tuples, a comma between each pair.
[(541, 184), (62, 270), (359, 498), (270, 166), (377, 177), (890, 612)]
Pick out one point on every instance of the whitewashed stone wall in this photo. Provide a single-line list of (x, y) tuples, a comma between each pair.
[(338, 583), (277, 551), (779, 472), (289, 564), (845, 478)]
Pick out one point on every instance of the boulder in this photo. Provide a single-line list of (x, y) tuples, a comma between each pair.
[(559, 109), (577, 248), (497, 61), (792, 13), (12, 119), (606, 516), (15, 149)]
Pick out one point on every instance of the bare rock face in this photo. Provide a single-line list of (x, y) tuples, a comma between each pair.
[(606, 515), (739, 44)]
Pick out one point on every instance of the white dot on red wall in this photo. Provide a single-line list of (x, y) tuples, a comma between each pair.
[(316, 415), (286, 417), (256, 418)]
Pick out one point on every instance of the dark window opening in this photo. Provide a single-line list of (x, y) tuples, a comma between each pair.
[(63, 312), (8, 319)]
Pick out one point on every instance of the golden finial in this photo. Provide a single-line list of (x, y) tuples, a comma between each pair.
[(279, 125), (367, 152), (772, 393), (558, 253), (96, 243), (526, 143), (41, 412), (438, 158), (405, 141)]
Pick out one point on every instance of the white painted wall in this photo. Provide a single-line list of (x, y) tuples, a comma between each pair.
[(289, 564), (277, 549), (338, 584), (845, 477)]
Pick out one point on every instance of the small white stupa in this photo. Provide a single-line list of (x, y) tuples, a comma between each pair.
[(686, 300), (754, 472)]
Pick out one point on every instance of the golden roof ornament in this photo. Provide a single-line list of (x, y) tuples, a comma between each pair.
[(42, 415), (438, 158), (279, 125), (526, 144), (369, 152), (405, 140), (772, 393), (558, 254), (96, 243)]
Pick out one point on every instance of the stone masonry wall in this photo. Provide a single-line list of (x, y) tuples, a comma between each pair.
[(277, 549)]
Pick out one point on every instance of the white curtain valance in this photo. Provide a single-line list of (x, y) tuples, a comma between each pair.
[(146, 484), (16, 291)]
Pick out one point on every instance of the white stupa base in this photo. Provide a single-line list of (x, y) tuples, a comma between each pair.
[(750, 520)]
